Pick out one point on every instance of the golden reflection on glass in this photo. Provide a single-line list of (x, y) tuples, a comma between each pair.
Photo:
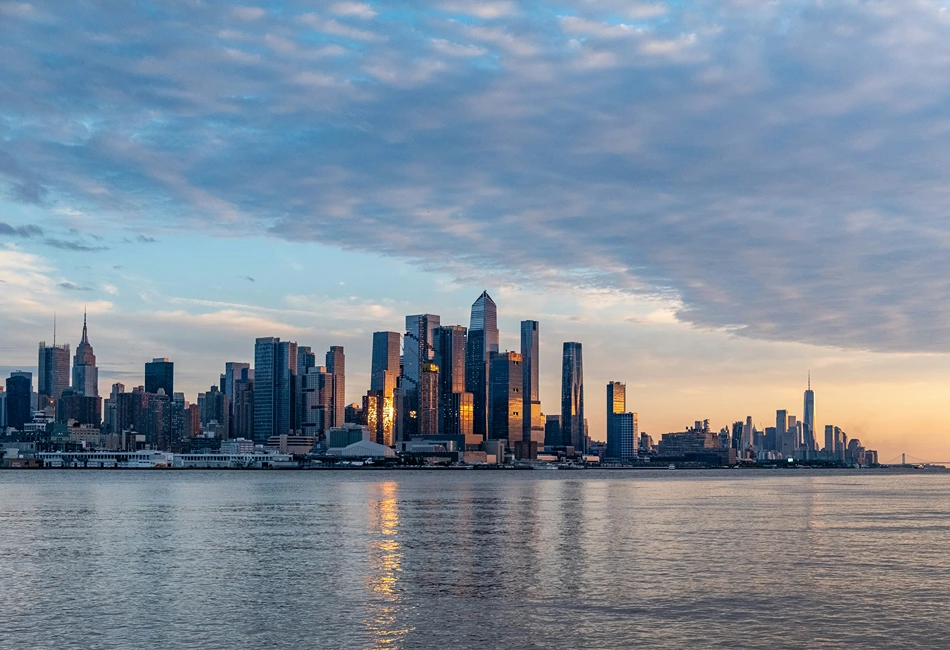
[(384, 600)]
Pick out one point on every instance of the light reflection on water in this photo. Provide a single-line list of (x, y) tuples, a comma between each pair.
[(113, 559)]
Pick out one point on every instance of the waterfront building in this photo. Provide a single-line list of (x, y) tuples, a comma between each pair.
[(783, 441), (829, 439), (242, 409), (808, 432), (483, 339), (85, 372), (275, 382), (552, 431), (52, 373), (336, 367), (455, 417), (160, 375), (427, 420), (572, 397), (18, 399), (316, 401), (214, 406), (626, 428), (353, 414), (616, 404), (530, 354), (385, 358), (506, 398), (418, 354)]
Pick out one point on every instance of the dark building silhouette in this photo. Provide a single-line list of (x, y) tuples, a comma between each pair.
[(19, 396), (160, 374), (482, 341)]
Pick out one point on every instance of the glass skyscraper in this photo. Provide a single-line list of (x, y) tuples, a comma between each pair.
[(530, 354), (482, 341), (809, 424), (616, 404), (572, 397), (275, 382), (506, 397), (160, 375)]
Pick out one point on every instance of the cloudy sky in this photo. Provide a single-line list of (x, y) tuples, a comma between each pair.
[(714, 197)]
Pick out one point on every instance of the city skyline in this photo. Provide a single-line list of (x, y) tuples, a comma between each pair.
[(445, 341), (690, 191)]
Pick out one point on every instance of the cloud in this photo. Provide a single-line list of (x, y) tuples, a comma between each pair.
[(771, 170), (26, 231), (75, 246), (145, 239), (69, 286), (355, 9)]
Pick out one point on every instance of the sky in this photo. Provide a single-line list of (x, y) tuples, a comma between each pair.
[(715, 198)]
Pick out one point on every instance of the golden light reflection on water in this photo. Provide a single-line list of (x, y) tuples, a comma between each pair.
[(384, 594)]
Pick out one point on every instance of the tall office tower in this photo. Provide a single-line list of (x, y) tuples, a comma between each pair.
[(233, 372), (178, 407), (336, 366), (427, 421), (747, 440), (552, 431), (158, 419), (19, 395), (616, 404), (385, 358), (306, 359), (379, 408), (506, 397), (530, 353), (53, 371), (572, 397), (160, 374), (626, 427), (275, 383), (811, 443), (242, 409), (450, 344), (418, 353), (793, 433), (316, 390), (215, 407), (482, 341), (781, 433), (353, 414), (829, 439), (85, 373)]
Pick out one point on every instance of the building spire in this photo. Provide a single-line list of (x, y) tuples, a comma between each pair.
[(54, 329), (85, 336), (809, 380)]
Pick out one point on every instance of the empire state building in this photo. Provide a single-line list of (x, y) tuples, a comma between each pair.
[(85, 373)]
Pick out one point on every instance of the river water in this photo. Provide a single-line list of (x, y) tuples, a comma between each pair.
[(474, 559)]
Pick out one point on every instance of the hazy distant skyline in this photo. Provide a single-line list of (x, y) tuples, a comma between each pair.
[(712, 198)]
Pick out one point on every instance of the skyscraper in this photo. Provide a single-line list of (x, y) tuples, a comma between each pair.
[(809, 420), (572, 397), (85, 373), (160, 374), (379, 407), (275, 383), (336, 366), (783, 442), (316, 398), (455, 417), (427, 421), (418, 353), (530, 354), (627, 435), (19, 397), (53, 371), (385, 357), (482, 341), (506, 397), (616, 404)]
